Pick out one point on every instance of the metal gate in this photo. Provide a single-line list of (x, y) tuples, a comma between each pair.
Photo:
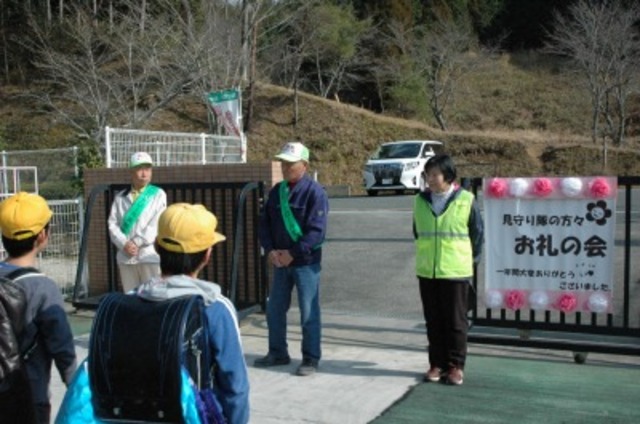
[(236, 265), (617, 332)]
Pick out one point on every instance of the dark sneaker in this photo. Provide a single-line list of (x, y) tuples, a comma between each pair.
[(434, 374), (455, 376), (307, 367), (271, 361)]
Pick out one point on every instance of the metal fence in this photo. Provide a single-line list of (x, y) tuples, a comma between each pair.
[(237, 264), (59, 260), (172, 148), (57, 171), (616, 332), (14, 179)]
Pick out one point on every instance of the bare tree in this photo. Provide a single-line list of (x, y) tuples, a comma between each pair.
[(625, 49), (212, 46), (336, 46), (312, 46), (602, 40), (254, 13), (290, 34), (143, 14), (393, 66), (3, 37), (442, 56), (115, 74)]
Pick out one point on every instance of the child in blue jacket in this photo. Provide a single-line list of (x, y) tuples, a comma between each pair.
[(186, 235)]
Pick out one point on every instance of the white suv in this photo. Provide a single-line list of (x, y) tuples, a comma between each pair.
[(398, 166)]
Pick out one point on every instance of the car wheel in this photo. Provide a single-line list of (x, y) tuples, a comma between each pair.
[(372, 192)]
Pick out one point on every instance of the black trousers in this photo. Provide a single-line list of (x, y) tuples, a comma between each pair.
[(444, 304)]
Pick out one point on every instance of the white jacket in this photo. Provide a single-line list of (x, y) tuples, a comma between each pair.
[(144, 231)]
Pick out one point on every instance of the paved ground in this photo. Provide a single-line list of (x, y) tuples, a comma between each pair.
[(371, 372), (374, 348)]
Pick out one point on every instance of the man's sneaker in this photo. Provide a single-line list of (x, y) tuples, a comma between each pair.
[(307, 367), (455, 376), (271, 361), (434, 374)]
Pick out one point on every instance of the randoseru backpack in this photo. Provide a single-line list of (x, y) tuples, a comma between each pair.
[(13, 306), (15, 391), (138, 352)]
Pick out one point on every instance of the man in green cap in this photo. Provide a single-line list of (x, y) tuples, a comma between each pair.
[(133, 224), (293, 225)]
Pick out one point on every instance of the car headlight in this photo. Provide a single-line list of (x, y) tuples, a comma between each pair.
[(368, 168), (411, 165)]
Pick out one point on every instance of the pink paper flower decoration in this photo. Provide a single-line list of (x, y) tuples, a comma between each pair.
[(514, 300), (497, 187), (600, 188), (542, 187), (567, 302)]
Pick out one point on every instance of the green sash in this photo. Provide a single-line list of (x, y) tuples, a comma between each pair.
[(290, 223), (139, 205)]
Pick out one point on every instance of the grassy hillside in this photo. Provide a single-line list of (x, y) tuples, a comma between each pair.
[(341, 138), (519, 115)]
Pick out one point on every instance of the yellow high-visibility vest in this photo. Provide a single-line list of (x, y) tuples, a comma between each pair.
[(443, 246)]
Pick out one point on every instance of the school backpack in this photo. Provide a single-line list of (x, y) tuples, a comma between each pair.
[(15, 391), (138, 352), (13, 306)]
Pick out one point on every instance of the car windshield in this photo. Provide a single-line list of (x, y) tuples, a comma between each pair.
[(398, 151)]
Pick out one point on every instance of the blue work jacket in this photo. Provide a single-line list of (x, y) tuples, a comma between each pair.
[(310, 206)]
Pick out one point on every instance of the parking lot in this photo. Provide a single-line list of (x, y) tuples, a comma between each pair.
[(368, 264)]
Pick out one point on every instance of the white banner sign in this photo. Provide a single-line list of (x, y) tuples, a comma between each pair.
[(226, 106), (550, 243)]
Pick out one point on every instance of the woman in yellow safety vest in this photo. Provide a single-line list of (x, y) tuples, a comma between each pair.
[(448, 229)]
